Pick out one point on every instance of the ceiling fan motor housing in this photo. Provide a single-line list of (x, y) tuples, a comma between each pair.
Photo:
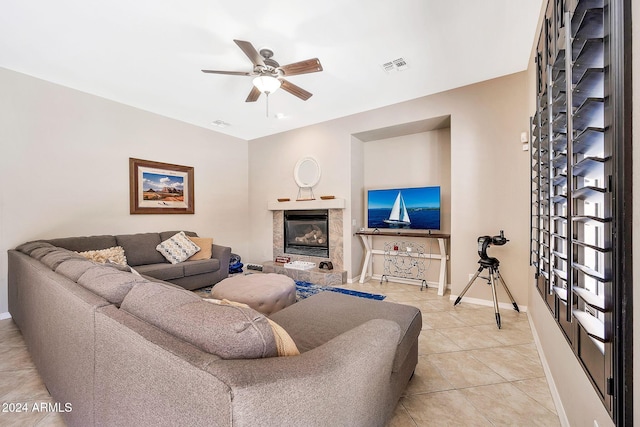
[(271, 64)]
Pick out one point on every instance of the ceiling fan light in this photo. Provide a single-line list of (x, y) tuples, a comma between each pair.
[(266, 84)]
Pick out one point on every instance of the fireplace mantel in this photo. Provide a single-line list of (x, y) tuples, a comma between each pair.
[(306, 204)]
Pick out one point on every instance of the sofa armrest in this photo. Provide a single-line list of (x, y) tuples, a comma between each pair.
[(346, 381), (222, 253)]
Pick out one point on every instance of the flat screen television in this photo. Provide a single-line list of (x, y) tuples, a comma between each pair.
[(415, 208)]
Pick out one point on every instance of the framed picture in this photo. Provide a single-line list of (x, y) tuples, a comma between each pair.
[(160, 188)]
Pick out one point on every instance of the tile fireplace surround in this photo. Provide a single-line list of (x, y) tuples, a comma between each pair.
[(338, 275)]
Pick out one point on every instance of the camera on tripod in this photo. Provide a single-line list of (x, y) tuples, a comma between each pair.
[(492, 264), (485, 241)]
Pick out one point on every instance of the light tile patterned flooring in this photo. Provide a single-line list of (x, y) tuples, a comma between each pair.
[(469, 372)]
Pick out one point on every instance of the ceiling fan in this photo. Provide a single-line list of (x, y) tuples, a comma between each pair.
[(269, 75)]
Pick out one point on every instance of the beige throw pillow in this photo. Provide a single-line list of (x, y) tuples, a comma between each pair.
[(205, 248), (284, 342), (114, 255)]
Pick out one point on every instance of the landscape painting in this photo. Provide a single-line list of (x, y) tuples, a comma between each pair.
[(160, 187), (163, 188)]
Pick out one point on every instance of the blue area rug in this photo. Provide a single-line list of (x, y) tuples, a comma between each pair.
[(306, 289)]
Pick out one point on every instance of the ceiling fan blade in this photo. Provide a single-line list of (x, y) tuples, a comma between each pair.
[(302, 67), (251, 52), (253, 95), (295, 90), (231, 73)]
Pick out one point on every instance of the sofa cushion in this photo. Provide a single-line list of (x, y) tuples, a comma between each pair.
[(111, 284), (177, 248), (205, 248), (285, 344), (73, 268), (120, 267), (140, 248), (84, 243), (346, 312), (55, 258), (39, 253), (192, 268), (162, 271), (27, 248), (227, 331), (164, 235), (114, 254)]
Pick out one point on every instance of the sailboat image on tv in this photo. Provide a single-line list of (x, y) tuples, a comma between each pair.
[(414, 208), (399, 217)]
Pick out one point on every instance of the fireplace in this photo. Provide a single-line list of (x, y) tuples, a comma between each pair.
[(307, 233), (332, 214)]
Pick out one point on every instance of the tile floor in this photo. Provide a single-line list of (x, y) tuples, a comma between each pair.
[(469, 373)]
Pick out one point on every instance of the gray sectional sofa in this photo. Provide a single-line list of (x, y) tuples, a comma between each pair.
[(141, 253), (124, 350)]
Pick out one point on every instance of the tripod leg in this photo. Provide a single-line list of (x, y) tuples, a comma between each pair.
[(495, 296), (466, 288), (515, 306)]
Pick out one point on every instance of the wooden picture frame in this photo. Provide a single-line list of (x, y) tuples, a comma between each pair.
[(160, 188)]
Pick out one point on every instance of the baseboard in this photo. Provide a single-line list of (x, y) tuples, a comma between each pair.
[(4, 316), (355, 279), (564, 421), (489, 303)]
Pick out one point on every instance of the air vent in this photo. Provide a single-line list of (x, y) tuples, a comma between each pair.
[(220, 123), (396, 65)]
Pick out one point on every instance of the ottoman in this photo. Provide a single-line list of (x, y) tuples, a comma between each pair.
[(266, 293)]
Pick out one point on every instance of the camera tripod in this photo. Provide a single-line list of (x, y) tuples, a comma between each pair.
[(493, 265)]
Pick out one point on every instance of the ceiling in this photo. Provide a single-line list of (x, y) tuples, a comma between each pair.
[(149, 53)]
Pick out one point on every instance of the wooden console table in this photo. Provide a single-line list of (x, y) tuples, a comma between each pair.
[(398, 251)]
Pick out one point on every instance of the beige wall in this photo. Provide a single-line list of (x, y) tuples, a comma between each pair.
[(489, 189), (64, 168)]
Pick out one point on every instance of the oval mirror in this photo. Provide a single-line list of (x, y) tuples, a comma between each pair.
[(307, 172)]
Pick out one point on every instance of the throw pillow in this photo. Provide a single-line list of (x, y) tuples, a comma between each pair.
[(102, 256), (227, 331), (177, 248), (285, 344), (205, 248)]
